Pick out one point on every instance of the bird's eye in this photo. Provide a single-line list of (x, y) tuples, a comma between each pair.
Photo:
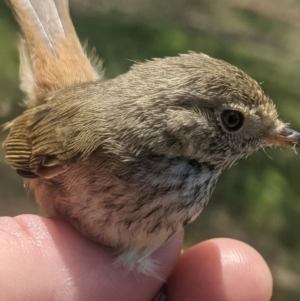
[(232, 120)]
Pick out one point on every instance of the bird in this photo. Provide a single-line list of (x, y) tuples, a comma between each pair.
[(129, 161)]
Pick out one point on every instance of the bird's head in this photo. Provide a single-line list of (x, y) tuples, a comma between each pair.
[(209, 111)]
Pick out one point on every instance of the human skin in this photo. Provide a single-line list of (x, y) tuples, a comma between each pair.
[(46, 259)]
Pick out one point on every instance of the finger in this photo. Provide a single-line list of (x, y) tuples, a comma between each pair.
[(46, 259), (221, 270)]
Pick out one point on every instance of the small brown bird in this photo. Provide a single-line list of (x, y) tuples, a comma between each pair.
[(131, 160)]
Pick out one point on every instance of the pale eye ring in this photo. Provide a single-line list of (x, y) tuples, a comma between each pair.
[(232, 120)]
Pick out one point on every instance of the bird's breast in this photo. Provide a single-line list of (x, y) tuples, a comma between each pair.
[(134, 205)]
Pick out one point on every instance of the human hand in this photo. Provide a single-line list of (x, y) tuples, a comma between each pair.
[(46, 259)]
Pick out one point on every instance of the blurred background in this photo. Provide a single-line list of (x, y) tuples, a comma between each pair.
[(257, 201)]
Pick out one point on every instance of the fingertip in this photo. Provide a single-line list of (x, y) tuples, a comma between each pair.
[(221, 269)]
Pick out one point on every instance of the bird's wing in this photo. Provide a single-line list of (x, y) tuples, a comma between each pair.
[(46, 139)]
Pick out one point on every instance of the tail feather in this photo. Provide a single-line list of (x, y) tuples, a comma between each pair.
[(51, 54), (43, 21)]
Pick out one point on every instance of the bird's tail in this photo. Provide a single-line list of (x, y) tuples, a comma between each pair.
[(51, 54)]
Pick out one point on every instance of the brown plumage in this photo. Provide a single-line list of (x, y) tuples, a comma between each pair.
[(129, 161)]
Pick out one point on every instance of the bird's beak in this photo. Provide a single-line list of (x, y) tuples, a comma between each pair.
[(286, 136)]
